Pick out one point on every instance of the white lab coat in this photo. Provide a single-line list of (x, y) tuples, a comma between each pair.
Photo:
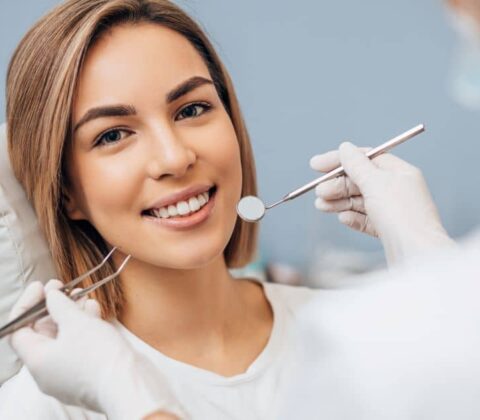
[(404, 347)]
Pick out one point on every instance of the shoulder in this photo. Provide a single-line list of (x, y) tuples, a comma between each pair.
[(21, 399), (293, 297)]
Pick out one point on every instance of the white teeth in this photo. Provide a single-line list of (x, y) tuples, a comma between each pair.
[(182, 208), (172, 210), (193, 204)]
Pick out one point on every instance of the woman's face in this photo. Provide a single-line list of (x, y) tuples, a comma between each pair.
[(151, 139)]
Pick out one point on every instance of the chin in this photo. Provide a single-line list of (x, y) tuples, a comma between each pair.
[(184, 257)]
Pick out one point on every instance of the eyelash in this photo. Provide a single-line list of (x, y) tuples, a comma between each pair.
[(99, 142), (204, 105)]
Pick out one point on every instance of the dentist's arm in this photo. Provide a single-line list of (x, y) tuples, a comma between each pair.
[(384, 197), (82, 360)]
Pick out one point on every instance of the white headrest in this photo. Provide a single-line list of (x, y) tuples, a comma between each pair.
[(24, 255)]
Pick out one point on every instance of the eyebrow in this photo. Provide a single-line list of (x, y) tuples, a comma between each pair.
[(126, 110)]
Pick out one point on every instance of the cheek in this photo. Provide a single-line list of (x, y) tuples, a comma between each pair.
[(108, 190), (230, 178), (224, 153)]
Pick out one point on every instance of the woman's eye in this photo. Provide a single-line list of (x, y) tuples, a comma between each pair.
[(110, 137), (193, 111)]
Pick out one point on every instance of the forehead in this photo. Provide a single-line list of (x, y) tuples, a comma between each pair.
[(132, 59)]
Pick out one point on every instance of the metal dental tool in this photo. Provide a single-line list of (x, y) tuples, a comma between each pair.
[(252, 209), (39, 310)]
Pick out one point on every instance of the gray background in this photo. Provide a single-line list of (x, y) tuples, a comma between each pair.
[(310, 74)]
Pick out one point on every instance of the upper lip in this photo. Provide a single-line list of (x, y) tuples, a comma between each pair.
[(182, 195)]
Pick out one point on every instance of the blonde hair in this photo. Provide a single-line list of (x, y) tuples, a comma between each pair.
[(41, 84)]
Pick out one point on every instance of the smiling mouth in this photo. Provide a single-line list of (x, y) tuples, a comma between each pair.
[(182, 208)]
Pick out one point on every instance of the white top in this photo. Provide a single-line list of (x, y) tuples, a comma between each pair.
[(407, 346), (254, 394)]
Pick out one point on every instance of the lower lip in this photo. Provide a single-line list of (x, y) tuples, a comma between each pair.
[(186, 222)]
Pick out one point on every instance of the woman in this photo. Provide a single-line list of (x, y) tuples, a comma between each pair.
[(145, 120), (125, 131)]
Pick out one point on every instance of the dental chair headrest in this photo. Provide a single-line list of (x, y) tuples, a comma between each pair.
[(24, 255)]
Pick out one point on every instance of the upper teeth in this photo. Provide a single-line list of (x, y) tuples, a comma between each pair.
[(182, 208)]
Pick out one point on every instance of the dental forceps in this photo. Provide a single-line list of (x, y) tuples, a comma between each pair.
[(40, 310)]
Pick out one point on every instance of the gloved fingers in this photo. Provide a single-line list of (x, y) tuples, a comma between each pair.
[(357, 221), (22, 339), (357, 166), (325, 162), (355, 203), (52, 284), (391, 162), (62, 309), (46, 326), (329, 161), (28, 344), (80, 302), (336, 188), (92, 307), (32, 294)]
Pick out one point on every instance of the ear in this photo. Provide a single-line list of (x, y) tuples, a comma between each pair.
[(74, 212)]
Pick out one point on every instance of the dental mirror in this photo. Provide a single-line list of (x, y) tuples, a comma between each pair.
[(252, 209)]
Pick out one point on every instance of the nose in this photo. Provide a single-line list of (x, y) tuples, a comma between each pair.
[(169, 154)]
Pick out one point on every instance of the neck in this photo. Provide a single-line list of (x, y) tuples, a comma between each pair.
[(167, 307)]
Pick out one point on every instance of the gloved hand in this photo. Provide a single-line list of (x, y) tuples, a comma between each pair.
[(384, 197), (83, 360)]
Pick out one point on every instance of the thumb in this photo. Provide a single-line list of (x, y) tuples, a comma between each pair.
[(357, 166), (61, 308), (27, 344)]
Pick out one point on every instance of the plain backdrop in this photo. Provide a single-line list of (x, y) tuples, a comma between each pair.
[(310, 74)]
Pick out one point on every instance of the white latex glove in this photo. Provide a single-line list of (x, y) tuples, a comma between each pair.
[(385, 197), (83, 360)]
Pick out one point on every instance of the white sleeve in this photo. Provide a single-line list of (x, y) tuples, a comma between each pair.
[(20, 399)]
